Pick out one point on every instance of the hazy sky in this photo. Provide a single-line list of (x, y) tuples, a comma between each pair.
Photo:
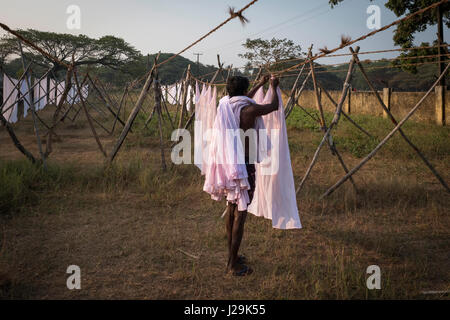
[(171, 25)]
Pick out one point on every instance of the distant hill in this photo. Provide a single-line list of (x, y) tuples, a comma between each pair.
[(383, 75), (381, 72)]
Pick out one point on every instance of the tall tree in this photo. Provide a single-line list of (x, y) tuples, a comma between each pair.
[(404, 35), (106, 51), (261, 52)]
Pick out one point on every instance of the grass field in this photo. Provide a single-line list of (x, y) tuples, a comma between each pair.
[(128, 225)]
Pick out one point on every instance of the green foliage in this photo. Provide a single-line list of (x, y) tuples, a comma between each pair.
[(107, 51), (268, 51), (22, 182), (404, 34)]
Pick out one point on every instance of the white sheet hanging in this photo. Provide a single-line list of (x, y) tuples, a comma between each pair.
[(40, 94), (25, 94), (274, 196), (9, 110), (59, 91)]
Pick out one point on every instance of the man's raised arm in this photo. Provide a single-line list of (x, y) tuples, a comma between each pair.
[(256, 110)]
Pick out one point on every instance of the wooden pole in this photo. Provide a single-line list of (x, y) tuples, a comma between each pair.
[(88, 117), (295, 102), (342, 112), (132, 116), (120, 107), (394, 121), (316, 92), (33, 111), (184, 97), (15, 140), (386, 139), (107, 104), (333, 123), (157, 89)]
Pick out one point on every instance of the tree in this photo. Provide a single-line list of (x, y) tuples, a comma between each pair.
[(262, 52), (106, 51), (406, 30)]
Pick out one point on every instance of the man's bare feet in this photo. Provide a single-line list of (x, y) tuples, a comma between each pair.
[(241, 270)]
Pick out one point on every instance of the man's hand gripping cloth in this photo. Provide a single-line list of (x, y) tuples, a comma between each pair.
[(224, 168), (274, 196)]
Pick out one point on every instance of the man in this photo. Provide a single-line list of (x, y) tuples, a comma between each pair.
[(238, 86)]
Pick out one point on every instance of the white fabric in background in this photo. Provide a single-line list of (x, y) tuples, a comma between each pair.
[(9, 88), (85, 91), (59, 91), (40, 94), (225, 171), (274, 197), (52, 92), (25, 94)]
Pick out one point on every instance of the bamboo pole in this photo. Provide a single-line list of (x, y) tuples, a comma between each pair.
[(333, 123), (342, 112), (316, 92), (33, 111), (302, 88), (120, 106), (394, 121), (184, 97), (159, 113), (132, 116), (386, 139), (88, 116), (107, 104), (15, 140)]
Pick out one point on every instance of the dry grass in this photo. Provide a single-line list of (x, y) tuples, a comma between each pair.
[(124, 225)]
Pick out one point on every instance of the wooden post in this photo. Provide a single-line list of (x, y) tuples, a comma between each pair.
[(440, 105), (120, 107), (15, 140), (33, 111), (157, 89), (342, 112), (334, 122), (132, 116), (386, 139), (316, 91), (184, 97), (387, 92), (394, 121), (348, 105), (88, 117)]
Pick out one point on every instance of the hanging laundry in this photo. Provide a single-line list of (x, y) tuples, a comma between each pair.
[(59, 91), (10, 94), (25, 95), (40, 94), (224, 168), (274, 196)]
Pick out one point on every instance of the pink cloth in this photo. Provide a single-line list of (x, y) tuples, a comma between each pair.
[(274, 196), (225, 171)]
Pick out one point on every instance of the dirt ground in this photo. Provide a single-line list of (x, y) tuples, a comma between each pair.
[(129, 227)]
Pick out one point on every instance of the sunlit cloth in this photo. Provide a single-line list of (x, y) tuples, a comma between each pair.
[(225, 171), (40, 94), (9, 110), (274, 196), (25, 95)]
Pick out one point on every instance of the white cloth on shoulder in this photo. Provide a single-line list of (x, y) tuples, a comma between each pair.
[(274, 197), (225, 171)]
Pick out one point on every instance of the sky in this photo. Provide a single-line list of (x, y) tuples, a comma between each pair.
[(171, 25)]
